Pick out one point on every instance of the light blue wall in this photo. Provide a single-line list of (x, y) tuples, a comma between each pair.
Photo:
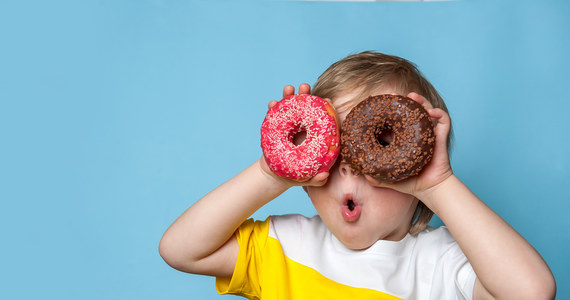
[(115, 116)]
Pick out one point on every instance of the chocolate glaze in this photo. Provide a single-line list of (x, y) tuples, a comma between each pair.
[(388, 137)]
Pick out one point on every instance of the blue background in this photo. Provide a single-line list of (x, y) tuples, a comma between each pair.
[(115, 116)]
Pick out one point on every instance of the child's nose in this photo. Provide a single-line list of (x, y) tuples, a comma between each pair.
[(346, 170)]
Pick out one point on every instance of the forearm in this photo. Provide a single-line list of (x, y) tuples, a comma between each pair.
[(505, 263), (212, 220)]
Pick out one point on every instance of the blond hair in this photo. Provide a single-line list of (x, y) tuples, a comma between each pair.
[(368, 71)]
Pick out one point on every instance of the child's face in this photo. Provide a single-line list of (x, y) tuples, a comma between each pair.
[(357, 213)]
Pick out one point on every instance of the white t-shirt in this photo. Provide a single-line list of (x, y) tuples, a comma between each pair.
[(287, 253)]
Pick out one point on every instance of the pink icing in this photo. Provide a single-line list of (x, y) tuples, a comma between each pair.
[(318, 151)]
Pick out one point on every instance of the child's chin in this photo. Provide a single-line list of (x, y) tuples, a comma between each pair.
[(358, 247), (355, 244)]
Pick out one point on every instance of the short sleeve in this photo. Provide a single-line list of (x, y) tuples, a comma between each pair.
[(251, 237), (465, 281), (453, 276)]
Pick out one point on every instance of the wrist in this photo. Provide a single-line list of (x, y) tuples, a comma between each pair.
[(433, 196), (271, 178)]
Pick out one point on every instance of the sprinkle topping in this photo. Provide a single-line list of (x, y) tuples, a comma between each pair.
[(388, 137), (292, 115)]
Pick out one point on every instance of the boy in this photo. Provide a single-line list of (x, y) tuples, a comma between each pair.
[(387, 252)]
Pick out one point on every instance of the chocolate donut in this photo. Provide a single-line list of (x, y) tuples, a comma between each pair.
[(388, 137), (287, 123)]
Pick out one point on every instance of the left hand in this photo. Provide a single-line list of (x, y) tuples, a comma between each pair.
[(438, 169)]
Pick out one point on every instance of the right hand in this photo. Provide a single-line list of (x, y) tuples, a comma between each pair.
[(318, 180)]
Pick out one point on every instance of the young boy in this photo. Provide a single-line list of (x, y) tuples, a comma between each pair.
[(388, 252)]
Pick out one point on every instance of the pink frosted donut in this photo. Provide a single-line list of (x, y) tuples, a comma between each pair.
[(283, 127)]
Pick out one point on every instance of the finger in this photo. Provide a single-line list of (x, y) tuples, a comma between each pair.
[(304, 88), (371, 180), (403, 186), (440, 115), (424, 102), (421, 100), (441, 129), (271, 104), (319, 179), (288, 90), (374, 182)]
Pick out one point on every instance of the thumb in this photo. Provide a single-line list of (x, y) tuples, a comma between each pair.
[(403, 186), (319, 179), (375, 182)]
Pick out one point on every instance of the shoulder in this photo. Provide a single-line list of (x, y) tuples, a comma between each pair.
[(298, 234), (295, 225), (296, 220), (439, 238), (290, 228), (436, 245)]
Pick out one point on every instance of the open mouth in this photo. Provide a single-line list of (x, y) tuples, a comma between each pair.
[(350, 210), (351, 205)]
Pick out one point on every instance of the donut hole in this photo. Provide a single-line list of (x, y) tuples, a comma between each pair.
[(384, 135), (298, 137)]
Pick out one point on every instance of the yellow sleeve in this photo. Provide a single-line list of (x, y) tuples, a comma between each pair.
[(251, 237)]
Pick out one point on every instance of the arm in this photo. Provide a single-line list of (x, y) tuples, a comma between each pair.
[(507, 266), (201, 240)]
